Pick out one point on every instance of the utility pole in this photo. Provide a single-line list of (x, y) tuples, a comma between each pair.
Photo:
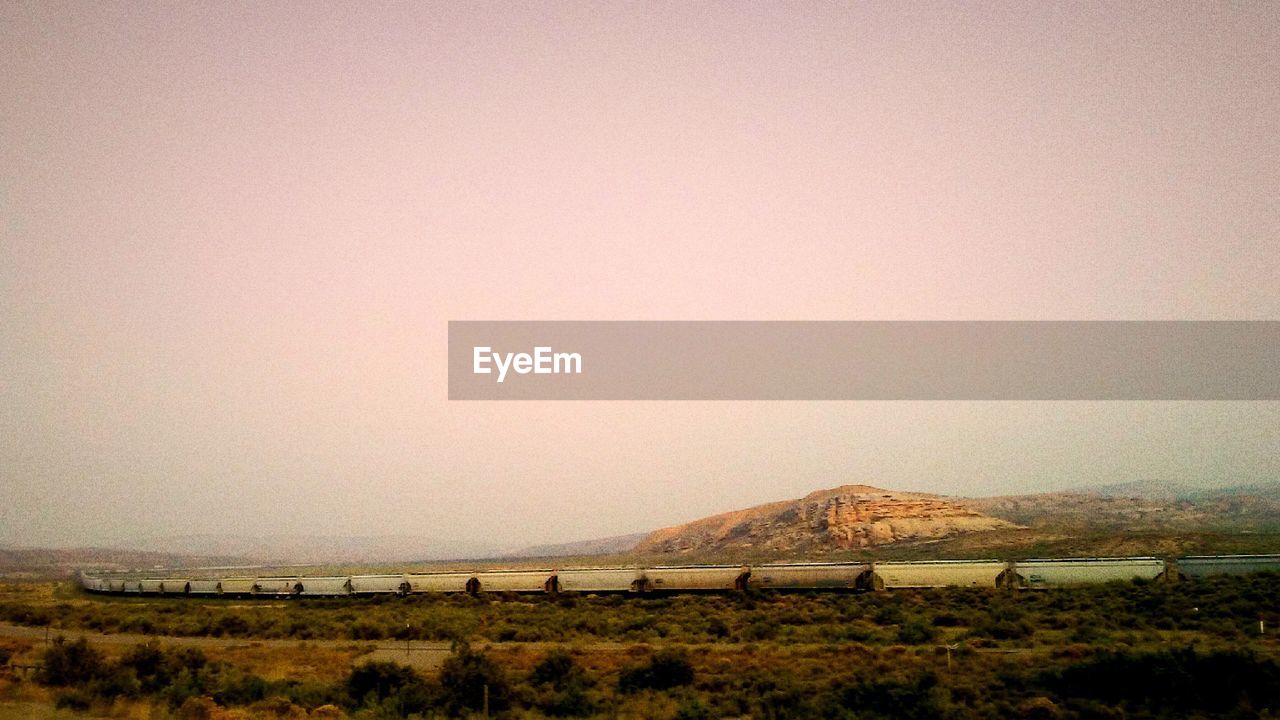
[(949, 649), (406, 640)]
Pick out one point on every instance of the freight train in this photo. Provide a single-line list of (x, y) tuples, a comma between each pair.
[(1040, 573)]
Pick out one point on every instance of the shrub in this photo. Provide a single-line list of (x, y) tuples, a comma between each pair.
[(1004, 629), (916, 632), (1182, 680), (197, 708), (667, 669), (464, 678), (228, 624), (947, 619), (1038, 708), (556, 669), (232, 686), (364, 631), (77, 700), (760, 630), (571, 702), (150, 666), (115, 681), (893, 698), (373, 682), (69, 663), (888, 615), (566, 685), (693, 709)]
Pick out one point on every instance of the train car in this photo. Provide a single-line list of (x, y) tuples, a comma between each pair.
[(379, 585), (238, 586), (516, 581), (810, 576), (205, 587), (957, 573), (1208, 565), (601, 580), (151, 586), (324, 586), (724, 577), (1074, 571), (172, 586), (442, 582), (938, 573), (276, 586)]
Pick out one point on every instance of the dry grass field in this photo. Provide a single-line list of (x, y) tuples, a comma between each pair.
[(1112, 650)]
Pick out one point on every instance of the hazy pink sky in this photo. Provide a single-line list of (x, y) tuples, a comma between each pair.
[(231, 236)]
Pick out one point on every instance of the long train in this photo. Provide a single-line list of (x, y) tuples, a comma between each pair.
[(1041, 573)]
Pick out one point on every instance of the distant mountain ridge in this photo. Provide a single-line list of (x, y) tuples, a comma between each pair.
[(1143, 505), (616, 544), (321, 549), (42, 562), (1152, 489), (842, 519)]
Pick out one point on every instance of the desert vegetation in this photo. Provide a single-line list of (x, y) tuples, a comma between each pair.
[(1132, 650), (850, 681)]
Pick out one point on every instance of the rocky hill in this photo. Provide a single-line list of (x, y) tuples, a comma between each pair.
[(847, 517)]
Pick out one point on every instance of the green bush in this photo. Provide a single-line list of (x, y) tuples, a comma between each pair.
[(694, 709), (916, 632), (1003, 629), (563, 685), (115, 681), (372, 683), (557, 669), (1176, 683), (233, 686), (77, 700), (919, 698), (69, 663), (665, 670), (464, 678), (153, 668)]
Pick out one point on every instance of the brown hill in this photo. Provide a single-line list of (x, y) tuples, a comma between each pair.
[(1250, 508), (847, 517)]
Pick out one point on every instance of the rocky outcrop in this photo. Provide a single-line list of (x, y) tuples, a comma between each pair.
[(851, 516)]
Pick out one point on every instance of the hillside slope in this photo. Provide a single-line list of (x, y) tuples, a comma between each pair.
[(1242, 509), (842, 518)]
